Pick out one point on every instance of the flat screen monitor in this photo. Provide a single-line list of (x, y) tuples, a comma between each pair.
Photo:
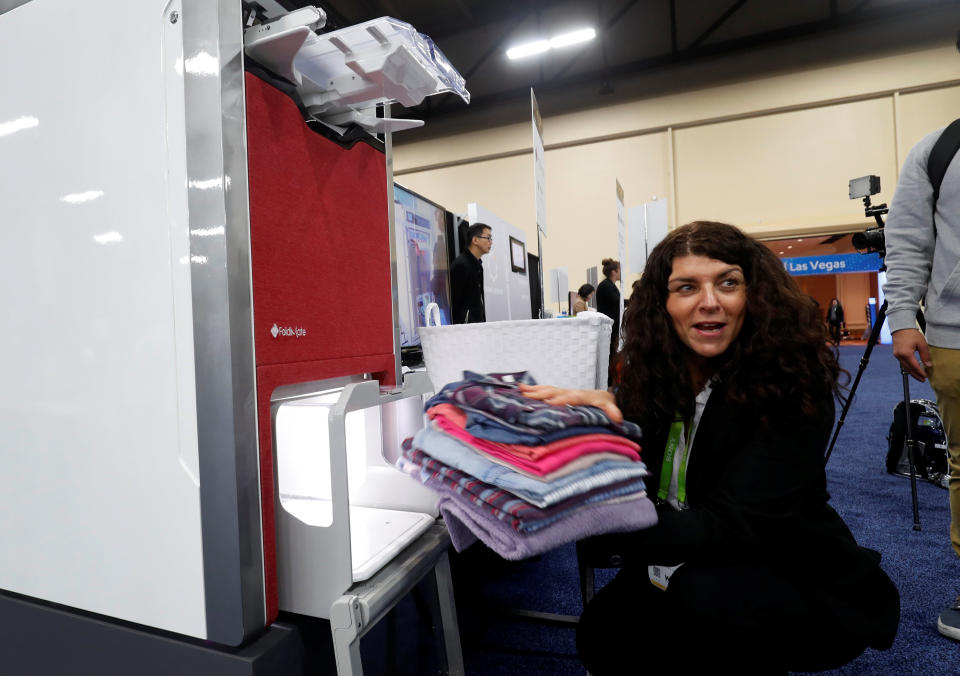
[(423, 261)]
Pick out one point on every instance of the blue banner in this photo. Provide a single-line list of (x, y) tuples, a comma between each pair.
[(832, 264)]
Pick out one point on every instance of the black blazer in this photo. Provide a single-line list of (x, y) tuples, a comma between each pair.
[(608, 302), (757, 492), (466, 289)]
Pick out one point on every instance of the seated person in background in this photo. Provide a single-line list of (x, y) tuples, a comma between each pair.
[(584, 293), (749, 570)]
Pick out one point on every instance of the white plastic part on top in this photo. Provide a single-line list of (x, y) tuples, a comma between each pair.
[(341, 76)]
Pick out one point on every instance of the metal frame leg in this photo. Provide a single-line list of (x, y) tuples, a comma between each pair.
[(346, 625), (587, 582), (366, 603), (445, 626)]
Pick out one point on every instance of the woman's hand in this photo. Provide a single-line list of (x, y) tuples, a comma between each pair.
[(559, 397)]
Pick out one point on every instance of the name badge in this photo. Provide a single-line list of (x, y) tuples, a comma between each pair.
[(660, 575)]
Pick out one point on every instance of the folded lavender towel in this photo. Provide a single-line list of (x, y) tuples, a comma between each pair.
[(466, 522)]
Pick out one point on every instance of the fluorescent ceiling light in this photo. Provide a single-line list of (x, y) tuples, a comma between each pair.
[(528, 49), (541, 46), (573, 37)]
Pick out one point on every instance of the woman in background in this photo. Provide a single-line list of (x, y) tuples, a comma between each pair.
[(749, 570), (584, 294), (608, 302)]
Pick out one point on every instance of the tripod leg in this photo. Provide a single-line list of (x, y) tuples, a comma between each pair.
[(864, 360), (911, 446)]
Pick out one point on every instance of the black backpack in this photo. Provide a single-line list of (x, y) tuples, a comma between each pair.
[(930, 453)]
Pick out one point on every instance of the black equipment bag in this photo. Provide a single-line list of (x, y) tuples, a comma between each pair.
[(930, 450)]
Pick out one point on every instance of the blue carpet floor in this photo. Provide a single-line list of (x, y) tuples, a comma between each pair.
[(876, 506)]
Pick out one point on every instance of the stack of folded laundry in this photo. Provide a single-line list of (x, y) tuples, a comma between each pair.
[(524, 476)]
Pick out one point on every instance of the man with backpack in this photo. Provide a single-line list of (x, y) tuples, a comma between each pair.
[(923, 263)]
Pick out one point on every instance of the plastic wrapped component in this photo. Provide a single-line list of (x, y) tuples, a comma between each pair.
[(342, 75)]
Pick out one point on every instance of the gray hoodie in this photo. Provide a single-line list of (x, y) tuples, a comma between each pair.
[(923, 249)]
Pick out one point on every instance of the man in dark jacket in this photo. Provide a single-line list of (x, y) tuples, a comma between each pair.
[(466, 276), (835, 321)]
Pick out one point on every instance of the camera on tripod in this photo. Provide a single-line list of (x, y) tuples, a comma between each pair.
[(870, 240)]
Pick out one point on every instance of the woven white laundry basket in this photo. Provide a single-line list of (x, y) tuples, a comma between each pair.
[(570, 352)]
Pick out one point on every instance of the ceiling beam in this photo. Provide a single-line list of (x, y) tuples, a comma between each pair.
[(619, 15), (496, 46), (465, 10), (613, 20), (673, 26), (716, 24), (496, 16)]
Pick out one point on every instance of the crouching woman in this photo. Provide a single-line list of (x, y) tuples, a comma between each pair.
[(726, 368)]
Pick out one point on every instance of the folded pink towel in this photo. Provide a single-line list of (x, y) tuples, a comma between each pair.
[(546, 464), (457, 417)]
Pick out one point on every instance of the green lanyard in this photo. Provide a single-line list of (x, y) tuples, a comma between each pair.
[(666, 471)]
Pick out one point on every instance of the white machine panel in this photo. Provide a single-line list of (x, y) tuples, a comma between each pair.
[(99, 486)]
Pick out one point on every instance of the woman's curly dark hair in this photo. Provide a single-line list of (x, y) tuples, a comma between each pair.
[(780, 361)]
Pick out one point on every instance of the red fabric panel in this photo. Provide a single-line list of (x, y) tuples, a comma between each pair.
[(320, 253), (319, 235)]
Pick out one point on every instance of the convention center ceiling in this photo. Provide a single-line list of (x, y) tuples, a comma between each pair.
[(642, 47)]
